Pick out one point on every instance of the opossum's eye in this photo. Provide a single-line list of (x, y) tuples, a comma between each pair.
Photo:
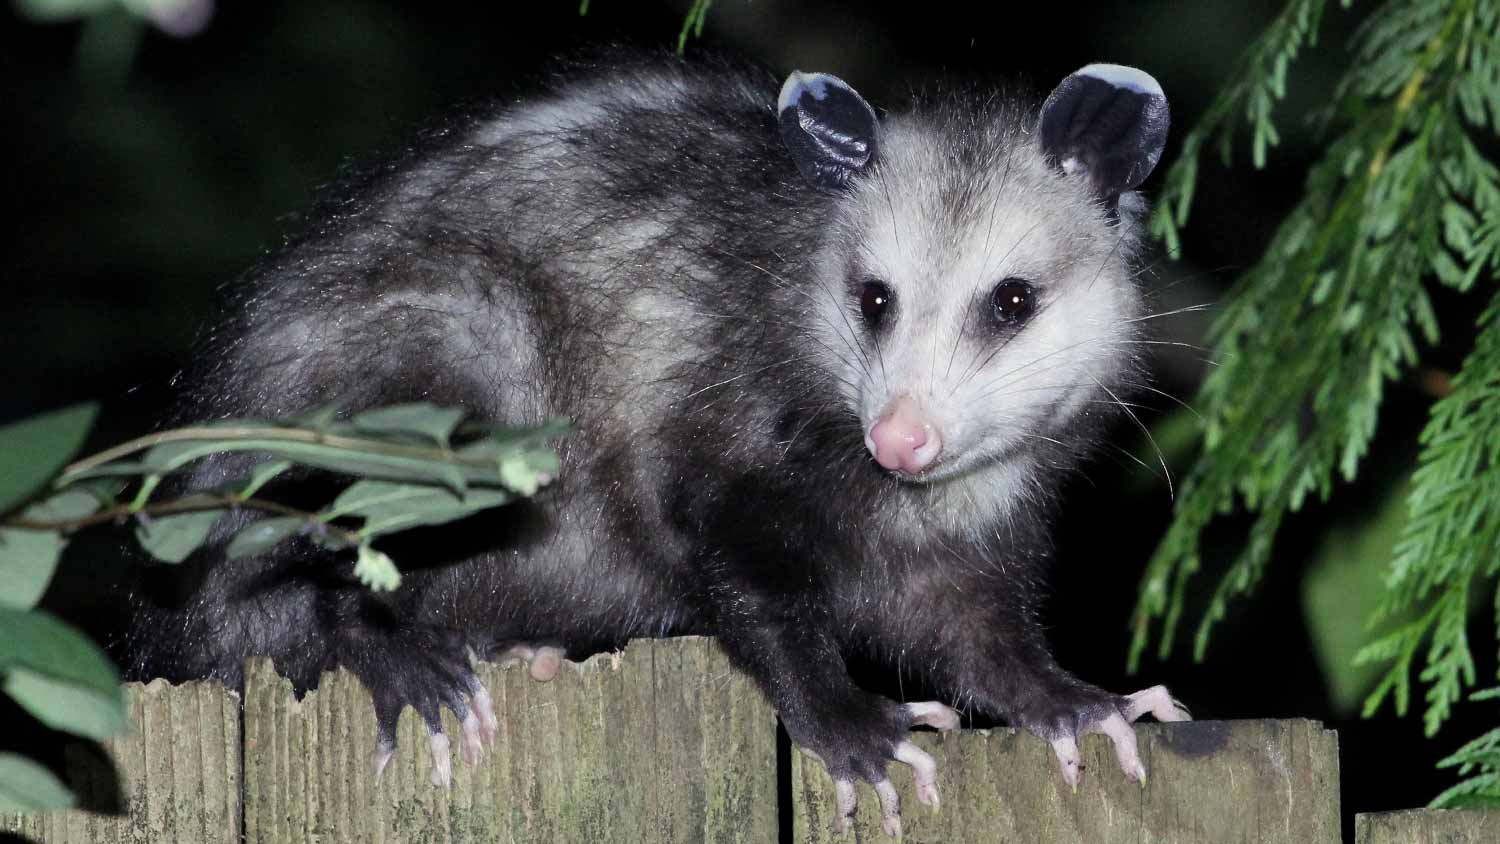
[(874, 300), (1012, 301)]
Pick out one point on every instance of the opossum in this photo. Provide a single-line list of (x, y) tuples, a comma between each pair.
[(827, 369)]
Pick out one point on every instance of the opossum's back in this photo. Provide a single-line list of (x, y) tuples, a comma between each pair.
[(527, 259)]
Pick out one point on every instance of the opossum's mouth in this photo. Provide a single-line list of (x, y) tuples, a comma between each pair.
[(949, 468)]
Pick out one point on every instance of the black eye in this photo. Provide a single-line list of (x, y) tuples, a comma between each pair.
[(1012, 302), (874, 299)]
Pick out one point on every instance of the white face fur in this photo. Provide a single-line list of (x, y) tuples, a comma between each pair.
[(940, 236)]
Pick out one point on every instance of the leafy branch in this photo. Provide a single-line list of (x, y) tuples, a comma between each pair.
[(414, 465), (1479, 762)]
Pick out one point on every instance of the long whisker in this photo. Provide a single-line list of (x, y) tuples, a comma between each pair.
[(755, 371), (1174, 312), (1166, 473), (786, 284), (1101, 341)]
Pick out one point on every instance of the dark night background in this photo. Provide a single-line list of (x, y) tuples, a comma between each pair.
[(134, 191)]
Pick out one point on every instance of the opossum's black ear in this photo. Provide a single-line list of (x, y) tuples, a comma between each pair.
[(828, 129), (1109, 121)]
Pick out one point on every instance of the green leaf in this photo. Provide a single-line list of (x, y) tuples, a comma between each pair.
[(262, 474), (376, 570), (318, 419), (263, 534), (169, 457), (34, 450), (65, 506), (27, 560), (172, 538), (58, 675), (26, 786), (422, 420), (388, 507), (113, 469)]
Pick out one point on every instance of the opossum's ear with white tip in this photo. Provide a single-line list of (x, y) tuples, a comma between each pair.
[(1108, 121), (829, 130)]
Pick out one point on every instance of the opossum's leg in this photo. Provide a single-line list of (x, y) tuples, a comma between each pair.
[(854, 734)]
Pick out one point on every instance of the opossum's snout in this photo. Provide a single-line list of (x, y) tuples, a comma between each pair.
[(904, 439)]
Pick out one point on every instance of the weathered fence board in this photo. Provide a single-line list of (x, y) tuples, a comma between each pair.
[(1427, 826), (1209, 782), (664, 742), (177, 772)]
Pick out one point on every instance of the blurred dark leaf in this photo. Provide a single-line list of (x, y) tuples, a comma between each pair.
[(26, 786), (172, 538), (261, 535), (58, 675), (34, 450)]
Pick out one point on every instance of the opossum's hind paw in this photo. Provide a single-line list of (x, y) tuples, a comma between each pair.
[(543, 661), (477, 729), (427, 670), (924, 769), (1112, 716)]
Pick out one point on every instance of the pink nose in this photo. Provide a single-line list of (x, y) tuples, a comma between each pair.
[(904, 439)]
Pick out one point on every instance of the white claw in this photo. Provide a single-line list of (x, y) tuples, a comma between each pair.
[(471, 742), (442, 763), (381, 758), (481, 704), (843, 798), (1123, 736), (890, 807), (924, 772), (933, 714), (1067, 755), (1157, 701)]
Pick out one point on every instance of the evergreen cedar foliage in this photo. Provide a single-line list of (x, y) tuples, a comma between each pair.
[(1405, 198)]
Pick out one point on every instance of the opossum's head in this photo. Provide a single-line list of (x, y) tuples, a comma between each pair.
[(976, 297)]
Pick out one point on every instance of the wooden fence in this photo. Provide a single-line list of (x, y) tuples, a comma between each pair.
[(667, 743)]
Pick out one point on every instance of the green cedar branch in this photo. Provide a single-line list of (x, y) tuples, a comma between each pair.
[(1326, 318)]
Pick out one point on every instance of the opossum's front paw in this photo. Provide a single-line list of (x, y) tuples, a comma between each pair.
[(860, 740), (427, 670), (1065, 717)]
